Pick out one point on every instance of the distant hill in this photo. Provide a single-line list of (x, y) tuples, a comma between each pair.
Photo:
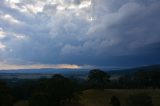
[(41, 73), (132, 70), (79, 73)]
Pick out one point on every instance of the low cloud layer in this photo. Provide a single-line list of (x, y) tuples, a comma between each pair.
[(83, 32), (39, 66)]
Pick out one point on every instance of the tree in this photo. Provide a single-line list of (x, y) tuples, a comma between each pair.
[(23, 90), (54, 92), (125, 81), (98, 78), (115, 101), (141, 99), (5, 97), (147, 78), (39, 99)]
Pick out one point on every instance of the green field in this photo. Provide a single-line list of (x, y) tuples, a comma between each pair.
[(102, 97)]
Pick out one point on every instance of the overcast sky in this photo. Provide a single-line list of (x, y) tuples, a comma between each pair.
[(51, 33)]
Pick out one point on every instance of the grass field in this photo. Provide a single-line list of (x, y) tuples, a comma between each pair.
[(102, 97)]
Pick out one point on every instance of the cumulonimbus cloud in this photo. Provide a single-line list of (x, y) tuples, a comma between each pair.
[(94, 32)]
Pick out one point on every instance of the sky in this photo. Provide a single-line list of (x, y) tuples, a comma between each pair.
[(79, 33)]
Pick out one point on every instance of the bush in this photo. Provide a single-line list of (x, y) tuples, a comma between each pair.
[(115, 101), (139, 100)]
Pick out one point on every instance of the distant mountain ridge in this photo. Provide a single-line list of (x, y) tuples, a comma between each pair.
[(83, 73), (132, 70)]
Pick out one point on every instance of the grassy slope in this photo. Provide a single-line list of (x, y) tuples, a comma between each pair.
[(21, 103), (102, 98)]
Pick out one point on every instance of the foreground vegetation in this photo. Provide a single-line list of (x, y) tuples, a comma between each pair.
[(103, 97), (138, 89)]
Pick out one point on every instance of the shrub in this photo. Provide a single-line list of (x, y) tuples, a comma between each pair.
[(115, 101), (141, 99)]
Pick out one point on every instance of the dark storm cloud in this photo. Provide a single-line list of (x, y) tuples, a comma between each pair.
[(103, 32)]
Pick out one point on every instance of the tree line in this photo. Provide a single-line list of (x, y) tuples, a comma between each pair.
[(59, 90)]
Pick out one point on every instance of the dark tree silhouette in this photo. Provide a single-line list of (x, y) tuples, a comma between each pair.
[(98, 78), (39, 99), (147, 78), (24, 90), (5, 97), (54, 92), (115, 101), (140, 79)]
